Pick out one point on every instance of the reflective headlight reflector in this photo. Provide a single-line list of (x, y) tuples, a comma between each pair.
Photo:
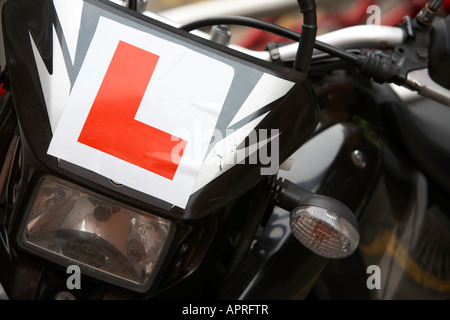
[(324, 232), (106, 239)]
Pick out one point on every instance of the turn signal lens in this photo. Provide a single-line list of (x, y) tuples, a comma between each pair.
[(324, 232), (106, 239)]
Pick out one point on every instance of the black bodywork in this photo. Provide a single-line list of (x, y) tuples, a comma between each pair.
[(231, 241)]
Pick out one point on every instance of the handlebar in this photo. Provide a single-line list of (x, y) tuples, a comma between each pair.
[(411, 75)]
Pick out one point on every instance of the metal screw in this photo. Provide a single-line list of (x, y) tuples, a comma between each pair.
[(359, 159), (221, 34)]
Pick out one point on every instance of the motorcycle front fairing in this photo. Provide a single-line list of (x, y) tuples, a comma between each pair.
[(54, 50)]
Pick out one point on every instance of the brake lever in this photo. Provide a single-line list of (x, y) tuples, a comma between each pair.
[(408, 64), (420, 80)]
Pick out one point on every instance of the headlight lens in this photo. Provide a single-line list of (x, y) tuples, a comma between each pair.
[(108, 240)]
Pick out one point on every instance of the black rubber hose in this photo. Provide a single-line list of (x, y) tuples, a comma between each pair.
[(308, 38), (132, 4), (278, 30)]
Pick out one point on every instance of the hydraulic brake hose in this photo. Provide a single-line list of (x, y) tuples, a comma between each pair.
[(132, 4), (308, 38)]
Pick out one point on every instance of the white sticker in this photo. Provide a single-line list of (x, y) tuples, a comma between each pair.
[(135, 107)]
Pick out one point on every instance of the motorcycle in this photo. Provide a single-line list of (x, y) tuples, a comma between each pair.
[(147, 160)]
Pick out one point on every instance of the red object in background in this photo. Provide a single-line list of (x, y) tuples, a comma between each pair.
[(446, 5), (2, 91)]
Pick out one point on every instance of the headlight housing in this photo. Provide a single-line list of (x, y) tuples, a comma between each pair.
[(108, 240)]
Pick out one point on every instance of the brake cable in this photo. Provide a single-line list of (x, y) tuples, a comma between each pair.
[(372, 63), (270, 27)]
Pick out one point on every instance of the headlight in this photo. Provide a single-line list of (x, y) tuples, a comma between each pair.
[(108, 240)]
